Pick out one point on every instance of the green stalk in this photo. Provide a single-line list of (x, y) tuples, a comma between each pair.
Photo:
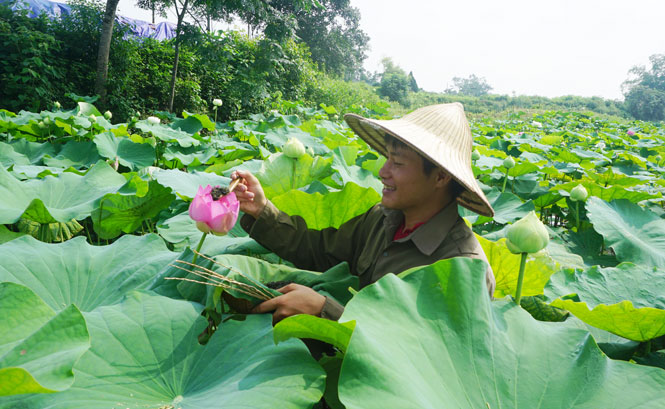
[(520, 279), (215, 116), (198, 248), (504, 182), (577, 216)]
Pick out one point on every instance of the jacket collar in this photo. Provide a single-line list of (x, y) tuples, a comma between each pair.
[(427, 237)]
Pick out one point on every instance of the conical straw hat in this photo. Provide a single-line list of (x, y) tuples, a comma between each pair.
[(440, 133)]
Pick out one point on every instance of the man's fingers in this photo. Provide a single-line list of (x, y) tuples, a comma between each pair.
[(266, 306), (288, 288)]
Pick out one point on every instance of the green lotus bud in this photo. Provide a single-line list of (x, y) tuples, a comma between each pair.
[(92, 118), (108, 115), (153, 120), (509, 162), (41, 125), (578, 193), (57, 105), (527, 235), (217, 102), (133, 119), (47, 121), (475, 155), (658, 158), (293, 148)]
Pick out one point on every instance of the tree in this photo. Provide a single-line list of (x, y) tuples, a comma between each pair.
[(413, 85), (473, 86), (157, 7), (105, 49), (333, 35), (394, 82), (644, 91)]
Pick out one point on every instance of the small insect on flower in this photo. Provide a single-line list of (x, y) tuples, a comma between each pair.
[(214, 210)]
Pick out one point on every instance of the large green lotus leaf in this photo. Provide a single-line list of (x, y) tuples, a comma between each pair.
[(38, 347), (329, 210), (506, 266), (9, 157), (350, 173), (635, 234), (129, 154), (8, 235), (75, 154), (194, 155), (627, 300), (507, 208), (34, 151), (279, 173), (120, 212), (63, 198), (145, 354), (75, 272), (187, 184), (166, 134), (442, 343), (608, 193), (202, 118)]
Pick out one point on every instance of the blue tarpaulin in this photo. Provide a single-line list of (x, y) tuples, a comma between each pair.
[(140, 28)]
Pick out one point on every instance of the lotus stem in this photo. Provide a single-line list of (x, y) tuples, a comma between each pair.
[(255, 282), (504, 182), (198, 248), (520, 278), (218, 280), (577, 216)]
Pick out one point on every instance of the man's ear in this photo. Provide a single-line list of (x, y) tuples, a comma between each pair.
[(442, 178)]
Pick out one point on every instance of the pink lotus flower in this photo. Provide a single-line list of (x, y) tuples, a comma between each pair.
[(630, 132), (214, 216)]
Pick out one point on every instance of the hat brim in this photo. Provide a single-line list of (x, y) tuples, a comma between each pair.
[(442, 153)]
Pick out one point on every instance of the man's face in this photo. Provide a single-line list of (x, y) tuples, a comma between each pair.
[(406, 186)]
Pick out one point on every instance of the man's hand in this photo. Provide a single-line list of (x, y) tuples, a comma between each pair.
[(297, 299), (249, 193)]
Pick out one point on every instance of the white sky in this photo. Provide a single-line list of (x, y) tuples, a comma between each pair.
[(530, 47)]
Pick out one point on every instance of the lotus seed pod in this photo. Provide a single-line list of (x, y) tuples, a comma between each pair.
[(217, 102), (527, 235), (578, 194), (293, 148), (57, 105), (475, 155), (509, 162), (108, 115), (153, 120)]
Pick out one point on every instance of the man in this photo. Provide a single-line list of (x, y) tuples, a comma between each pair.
[(426, 174)]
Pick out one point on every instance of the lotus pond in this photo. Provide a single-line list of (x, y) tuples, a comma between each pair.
[(93, 218)]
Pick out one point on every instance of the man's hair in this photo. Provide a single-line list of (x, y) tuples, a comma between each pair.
[(455, 188)]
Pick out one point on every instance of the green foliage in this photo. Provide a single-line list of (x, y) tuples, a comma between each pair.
[(645, 90), (473, 86), (32, 69)]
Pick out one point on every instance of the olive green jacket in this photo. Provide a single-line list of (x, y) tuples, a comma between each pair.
[(366, 243)]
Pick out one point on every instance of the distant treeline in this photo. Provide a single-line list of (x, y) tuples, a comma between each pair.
[(492, 104)]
